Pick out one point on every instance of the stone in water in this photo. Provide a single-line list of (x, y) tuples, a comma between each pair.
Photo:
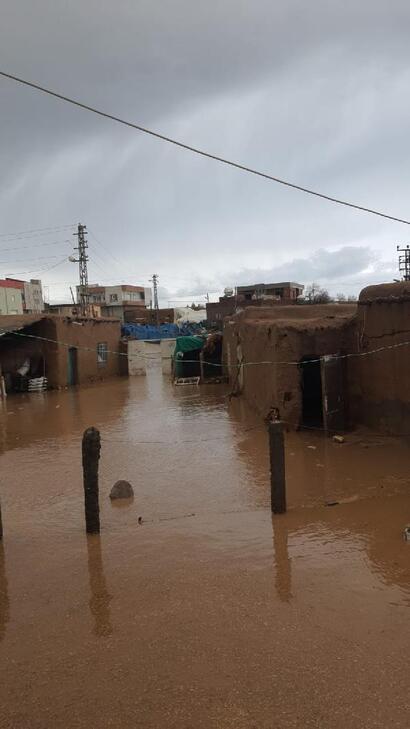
[(121, 490)]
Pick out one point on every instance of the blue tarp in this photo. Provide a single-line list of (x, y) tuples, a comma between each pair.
[(164, 331)]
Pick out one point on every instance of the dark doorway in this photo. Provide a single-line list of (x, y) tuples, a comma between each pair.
[(312, 411), (72, 367), (333, 389)]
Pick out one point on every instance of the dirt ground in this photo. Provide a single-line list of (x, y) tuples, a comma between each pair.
[(211, 614)]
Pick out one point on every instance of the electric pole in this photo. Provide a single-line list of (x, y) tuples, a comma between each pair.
[(155, 291), (404, 262), (83, 295)]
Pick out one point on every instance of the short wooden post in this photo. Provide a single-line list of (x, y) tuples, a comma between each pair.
[(3, 393), (91, 455), (277, 467)]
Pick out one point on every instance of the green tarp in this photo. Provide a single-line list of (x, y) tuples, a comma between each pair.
[(183, 345), (188, 344)]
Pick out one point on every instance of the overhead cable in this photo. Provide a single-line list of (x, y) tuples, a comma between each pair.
[(34, 245), (236, 366), (40, 270), (35, 232), (201, 152)]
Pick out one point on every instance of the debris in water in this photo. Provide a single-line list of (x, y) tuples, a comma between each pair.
[(406, 534), (332, 503), (313, 448), (339, 439), (140, 520)]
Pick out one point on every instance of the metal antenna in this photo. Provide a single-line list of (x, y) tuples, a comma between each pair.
[(404, 262), (83, 293), (155, 290)]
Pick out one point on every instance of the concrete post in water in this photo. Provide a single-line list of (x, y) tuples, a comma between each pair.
[(91, 455), (277, 467)]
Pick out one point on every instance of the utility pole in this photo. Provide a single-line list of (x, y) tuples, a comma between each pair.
[(155, 291), (404, 262), (82, 260)]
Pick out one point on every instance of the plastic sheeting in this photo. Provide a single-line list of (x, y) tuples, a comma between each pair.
[(164, 331), (188, 344)]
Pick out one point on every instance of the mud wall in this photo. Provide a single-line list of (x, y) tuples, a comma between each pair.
[(270, 343), (380, 383), (85, 335)]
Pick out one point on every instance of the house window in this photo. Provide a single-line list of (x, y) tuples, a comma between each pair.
[(102, 354), (113, 297)]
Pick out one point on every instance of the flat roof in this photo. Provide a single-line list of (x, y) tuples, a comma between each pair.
[(15, 322), (280, 285), (97, 289), (6, 283)]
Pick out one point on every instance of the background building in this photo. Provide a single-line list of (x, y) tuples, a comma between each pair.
[(73, 310), (31, 294), (283, 292), (115, 299), (11, 299), (286, 292)]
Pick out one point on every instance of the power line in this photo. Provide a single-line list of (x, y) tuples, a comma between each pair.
[(202, 152), (236, 366), (105, 249), (29, 261), (36, 245), (35, 232), (39, 270)]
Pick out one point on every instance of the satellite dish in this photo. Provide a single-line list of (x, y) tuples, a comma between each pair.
[(228, 291), (72, 259)]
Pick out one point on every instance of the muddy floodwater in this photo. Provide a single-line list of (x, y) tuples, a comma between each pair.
[(210, 614)]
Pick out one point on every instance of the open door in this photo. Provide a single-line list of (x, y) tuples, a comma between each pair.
[(333, 401)]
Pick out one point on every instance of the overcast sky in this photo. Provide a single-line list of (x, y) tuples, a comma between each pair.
[(317, 93)]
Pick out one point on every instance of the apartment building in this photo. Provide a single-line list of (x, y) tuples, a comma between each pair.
[(31, 294), (113, 300), (285, 292), (11, 300)]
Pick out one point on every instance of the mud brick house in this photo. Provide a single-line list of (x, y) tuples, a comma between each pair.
[(68, 351), (333, 366)]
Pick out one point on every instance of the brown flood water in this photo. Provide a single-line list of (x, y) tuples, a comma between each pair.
[(211, 614)]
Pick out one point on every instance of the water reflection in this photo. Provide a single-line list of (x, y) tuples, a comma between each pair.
[(100, 597), (4, 596), (283, 566), (38, 418)]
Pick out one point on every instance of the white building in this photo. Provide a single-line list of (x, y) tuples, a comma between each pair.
[(11, 300), (31, 294), (115, 299)]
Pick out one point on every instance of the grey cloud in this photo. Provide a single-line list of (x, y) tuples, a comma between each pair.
[(348, 268), (313, 93)]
